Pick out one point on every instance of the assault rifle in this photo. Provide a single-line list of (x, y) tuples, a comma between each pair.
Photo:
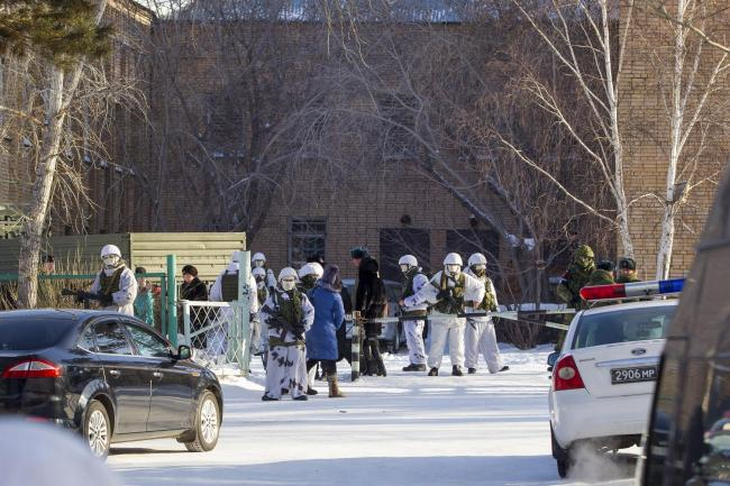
[(81, 296)]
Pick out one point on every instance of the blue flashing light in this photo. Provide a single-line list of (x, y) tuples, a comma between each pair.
[(671, 286)]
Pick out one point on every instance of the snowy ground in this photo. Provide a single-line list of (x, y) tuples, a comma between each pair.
[(406, 429)]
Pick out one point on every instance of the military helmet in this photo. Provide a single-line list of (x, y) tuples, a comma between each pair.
[(288, 272), (258, 257), (109, 250), (258, 272), (477, 259), (311, 269), (453, 259), (584, 251), (408, 260)]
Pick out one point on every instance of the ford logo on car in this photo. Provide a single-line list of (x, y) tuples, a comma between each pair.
[(638, 351)]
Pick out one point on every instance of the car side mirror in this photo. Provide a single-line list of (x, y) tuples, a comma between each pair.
[(552, 358), (184, 352)]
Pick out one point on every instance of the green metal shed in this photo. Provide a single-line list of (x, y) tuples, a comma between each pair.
[(209, 252)]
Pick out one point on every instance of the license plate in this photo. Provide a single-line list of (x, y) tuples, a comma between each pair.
[(634, 375)]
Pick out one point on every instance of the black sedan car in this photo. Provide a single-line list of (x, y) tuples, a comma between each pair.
[(107, 376)]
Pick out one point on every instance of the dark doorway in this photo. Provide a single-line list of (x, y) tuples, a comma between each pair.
[(394, 243)]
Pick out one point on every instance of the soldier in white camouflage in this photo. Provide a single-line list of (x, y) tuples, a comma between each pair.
[(480, 335), (288, 315)]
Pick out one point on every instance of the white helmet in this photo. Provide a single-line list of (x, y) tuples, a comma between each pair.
[(408, 260), (258, 257), (109, 250), (258, 272), (453, 259), (477, 259), (311, 269), (287, 272), (112, 256), (453, 264), (288, 278)]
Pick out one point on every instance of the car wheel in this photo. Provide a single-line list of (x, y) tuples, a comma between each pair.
[(207, 424), (563, 467), (97, 429), (562, 456)]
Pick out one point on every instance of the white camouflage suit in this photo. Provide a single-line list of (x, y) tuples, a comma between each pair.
[(286, 366), (480, 336), (453, 327), (414, 328), (124, 297)]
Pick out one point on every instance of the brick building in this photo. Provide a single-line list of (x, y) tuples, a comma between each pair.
[(108, 176), (208, 120), (645, 112)]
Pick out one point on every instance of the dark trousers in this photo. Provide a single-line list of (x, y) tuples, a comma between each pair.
[(329, 366)]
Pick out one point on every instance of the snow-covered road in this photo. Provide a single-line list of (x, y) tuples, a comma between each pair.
[(406, 429)]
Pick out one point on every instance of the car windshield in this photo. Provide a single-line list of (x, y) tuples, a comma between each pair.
[(623, 326), (27, 334)]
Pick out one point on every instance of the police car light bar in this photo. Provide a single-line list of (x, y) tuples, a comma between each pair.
[(632, 290)]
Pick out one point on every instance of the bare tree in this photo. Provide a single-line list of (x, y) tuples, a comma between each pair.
[(401, 100), (237, 133), (27, 32), (691, 77), (591, 41)]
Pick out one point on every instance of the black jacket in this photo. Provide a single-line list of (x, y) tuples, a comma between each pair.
[(195, 290), (370, 298)]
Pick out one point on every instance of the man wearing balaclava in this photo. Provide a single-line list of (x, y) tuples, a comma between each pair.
[(115, 285), (577, 277), (288, 315)]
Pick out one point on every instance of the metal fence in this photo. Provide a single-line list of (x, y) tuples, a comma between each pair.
[(220, 335), (50, 288)]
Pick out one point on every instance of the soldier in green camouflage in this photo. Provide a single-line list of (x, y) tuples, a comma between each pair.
[(577, 277), (574, 279), (603, 274), (627, 271)]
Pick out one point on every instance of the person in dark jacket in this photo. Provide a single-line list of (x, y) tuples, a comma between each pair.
[(603, 274), (370, 301), (192, 288), (329, 314)]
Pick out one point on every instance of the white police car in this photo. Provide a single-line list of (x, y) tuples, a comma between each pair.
[(604, 376)]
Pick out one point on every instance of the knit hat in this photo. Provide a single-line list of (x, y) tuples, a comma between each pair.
[(606, 265), (359, 252), (627, 263)]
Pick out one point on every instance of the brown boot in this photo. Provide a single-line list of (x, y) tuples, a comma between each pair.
[(334, 389)]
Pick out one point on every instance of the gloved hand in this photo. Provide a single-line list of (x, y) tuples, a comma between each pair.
[(299, 332), (106, 300), (274, 323), (443, 294)]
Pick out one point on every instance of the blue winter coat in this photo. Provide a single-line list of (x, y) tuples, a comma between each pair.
[(328, 316)]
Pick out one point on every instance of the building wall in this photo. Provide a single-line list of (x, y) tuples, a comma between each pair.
[(643, 112)]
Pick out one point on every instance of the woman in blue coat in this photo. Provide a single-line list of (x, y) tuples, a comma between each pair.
[(329, 314)]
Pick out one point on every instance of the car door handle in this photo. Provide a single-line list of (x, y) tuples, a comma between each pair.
[(157, 374), (115, 373)]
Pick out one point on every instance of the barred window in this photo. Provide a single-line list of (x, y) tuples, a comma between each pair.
[(307, 238)]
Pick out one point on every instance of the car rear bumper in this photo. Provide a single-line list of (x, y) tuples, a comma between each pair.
[(576, 415), (38, 407)]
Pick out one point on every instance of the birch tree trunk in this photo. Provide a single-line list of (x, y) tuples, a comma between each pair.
[(30, 244), (62, 86)]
